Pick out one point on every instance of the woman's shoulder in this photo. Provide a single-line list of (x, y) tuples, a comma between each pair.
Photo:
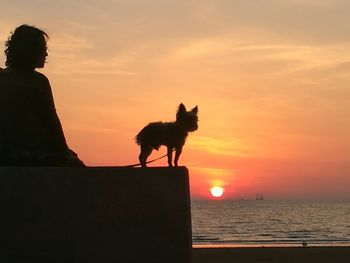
[(39, 80), (40, 76), (23, 74)]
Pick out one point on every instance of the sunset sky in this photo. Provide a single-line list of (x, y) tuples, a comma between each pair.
[(271, 80)]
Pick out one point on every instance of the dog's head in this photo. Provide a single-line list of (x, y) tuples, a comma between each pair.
[(187, 119)]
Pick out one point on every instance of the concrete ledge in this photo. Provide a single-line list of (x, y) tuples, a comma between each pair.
[(94, 214)]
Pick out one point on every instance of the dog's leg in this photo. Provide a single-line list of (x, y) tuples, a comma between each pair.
[(177, 155), (145, 152), (170, 156)]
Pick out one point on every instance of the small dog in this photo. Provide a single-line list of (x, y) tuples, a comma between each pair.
[(170, 134)]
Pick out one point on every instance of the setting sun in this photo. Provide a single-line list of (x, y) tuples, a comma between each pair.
[(217, 191)]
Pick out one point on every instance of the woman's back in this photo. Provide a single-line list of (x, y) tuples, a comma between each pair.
[(26, 115), (20, 104)]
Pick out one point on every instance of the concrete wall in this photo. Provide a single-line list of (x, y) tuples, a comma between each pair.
[(96, 214)]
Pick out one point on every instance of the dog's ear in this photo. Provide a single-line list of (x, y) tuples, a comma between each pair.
[(180, 111), (182, 108), (195, 110)]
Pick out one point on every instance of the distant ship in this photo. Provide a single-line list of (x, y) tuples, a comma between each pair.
[(259, 196)]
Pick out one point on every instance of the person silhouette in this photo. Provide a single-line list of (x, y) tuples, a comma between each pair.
[(30, 130)]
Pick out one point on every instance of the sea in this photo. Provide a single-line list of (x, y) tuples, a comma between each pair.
[(270, 223)]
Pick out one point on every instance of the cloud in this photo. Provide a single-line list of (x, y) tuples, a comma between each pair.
[(215, 176), (69, 43), (71, 54), (220, 146)]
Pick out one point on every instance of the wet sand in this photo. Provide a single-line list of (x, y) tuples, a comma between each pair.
[(326, 254)]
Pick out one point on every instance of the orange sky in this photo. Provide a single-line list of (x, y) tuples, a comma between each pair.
[(271, 79)]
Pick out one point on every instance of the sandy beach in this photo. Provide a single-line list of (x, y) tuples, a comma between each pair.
[(326, 254)]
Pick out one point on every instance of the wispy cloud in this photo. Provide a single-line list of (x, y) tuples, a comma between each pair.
[(220, 146), (71, 55), (69, 43), (215, 176)]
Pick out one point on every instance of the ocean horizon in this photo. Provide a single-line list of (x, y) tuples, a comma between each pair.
[(270, 223)]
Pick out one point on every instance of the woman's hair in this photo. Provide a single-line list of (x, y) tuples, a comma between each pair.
[(24, 46)]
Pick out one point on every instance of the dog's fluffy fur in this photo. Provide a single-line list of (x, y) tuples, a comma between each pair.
[(170, 134)]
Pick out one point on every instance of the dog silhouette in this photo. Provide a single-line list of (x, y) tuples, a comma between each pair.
[(170, 134)]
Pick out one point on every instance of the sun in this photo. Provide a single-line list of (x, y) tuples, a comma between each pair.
[(217, 191)]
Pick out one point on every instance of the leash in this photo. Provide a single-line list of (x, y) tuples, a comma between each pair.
[(138, 164)]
